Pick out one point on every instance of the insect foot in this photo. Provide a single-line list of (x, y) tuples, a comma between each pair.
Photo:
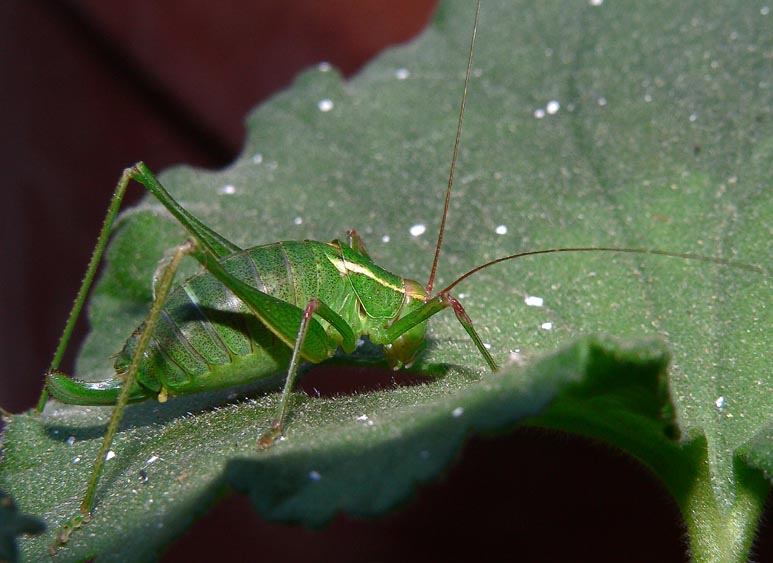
[(273, 435), (66, 530)]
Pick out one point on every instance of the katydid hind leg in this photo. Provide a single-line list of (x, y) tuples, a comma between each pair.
[(214, 245), (88, 278), (163, 285)]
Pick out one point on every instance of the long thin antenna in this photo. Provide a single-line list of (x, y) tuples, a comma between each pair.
[(685, 255), (431, 281)]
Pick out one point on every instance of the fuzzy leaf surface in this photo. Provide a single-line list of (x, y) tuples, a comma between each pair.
[(646, 126)]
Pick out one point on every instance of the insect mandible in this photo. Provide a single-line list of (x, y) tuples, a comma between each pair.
[(336, 294)]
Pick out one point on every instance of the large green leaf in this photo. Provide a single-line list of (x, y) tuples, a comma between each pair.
[(661, 138)]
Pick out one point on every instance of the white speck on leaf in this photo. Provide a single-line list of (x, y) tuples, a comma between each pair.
[(417, 230), (533, 301), (402, 73)]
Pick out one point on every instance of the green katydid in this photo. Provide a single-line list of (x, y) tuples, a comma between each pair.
[(293, 301)]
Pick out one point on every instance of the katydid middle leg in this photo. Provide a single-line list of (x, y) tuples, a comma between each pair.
[(314, 307), (275, 432)]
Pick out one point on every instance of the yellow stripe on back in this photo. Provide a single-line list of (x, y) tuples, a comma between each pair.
[(381, 293)]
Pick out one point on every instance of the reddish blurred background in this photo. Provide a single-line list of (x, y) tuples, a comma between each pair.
[(89, 87)]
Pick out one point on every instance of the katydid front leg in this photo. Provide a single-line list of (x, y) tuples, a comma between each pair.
[(432, 306)]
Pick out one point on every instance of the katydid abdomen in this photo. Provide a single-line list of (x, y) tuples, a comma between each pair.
[(207, 338)]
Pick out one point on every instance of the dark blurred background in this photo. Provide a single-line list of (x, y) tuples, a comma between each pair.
[(89, 87)]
